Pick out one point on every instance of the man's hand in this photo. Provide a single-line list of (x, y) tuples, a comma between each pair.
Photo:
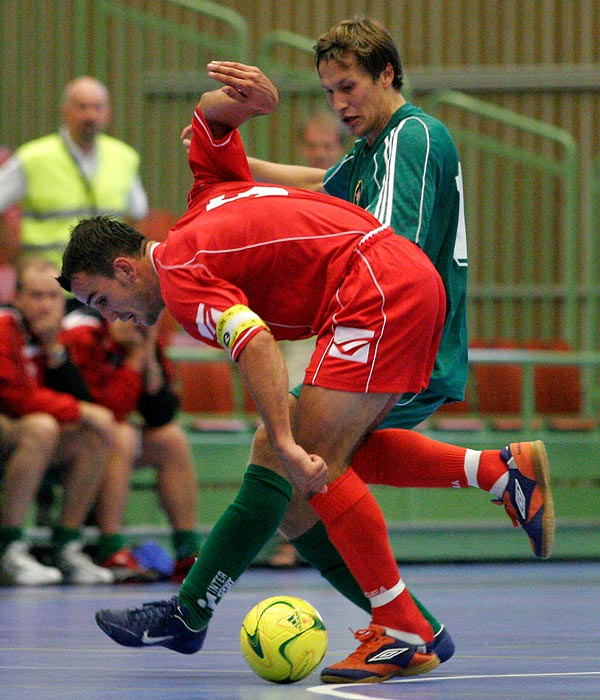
[(186, 137), (99, 418), (308, 473), (247, 85)]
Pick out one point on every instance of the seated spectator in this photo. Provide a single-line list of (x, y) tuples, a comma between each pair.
[(125, 371), (45, 428)]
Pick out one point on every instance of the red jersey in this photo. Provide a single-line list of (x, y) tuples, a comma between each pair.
[(110, 381), (102, 363), (22, 389), (300, 261), (278, 250)]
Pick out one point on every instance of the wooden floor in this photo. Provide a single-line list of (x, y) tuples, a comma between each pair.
[(527, 631)]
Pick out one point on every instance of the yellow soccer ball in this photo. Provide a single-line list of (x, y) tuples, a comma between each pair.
[(283, 639)]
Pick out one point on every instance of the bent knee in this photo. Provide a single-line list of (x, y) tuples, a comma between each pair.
[(40, 428)]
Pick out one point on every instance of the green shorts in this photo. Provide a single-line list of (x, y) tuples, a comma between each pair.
[(408, 412)]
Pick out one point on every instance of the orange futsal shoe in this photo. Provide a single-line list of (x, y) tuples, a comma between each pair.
[(381, 657), (528, 498)]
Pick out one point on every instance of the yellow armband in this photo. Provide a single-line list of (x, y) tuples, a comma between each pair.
[(234, 322)]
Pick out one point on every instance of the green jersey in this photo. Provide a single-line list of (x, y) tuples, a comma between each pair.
[(410, 179)]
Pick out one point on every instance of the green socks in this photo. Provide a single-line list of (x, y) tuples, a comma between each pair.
[(243, 530), (186, 543), (109, 545), (63, 535), (8, 535), (234, 542), (318, 551)]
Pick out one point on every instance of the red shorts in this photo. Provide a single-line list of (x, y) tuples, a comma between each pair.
[(385, 322)]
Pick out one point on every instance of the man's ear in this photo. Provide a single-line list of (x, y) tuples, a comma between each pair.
[(387, 75), (125, 270)]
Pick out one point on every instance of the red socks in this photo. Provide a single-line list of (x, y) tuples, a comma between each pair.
[(404, 458), (356, 527)]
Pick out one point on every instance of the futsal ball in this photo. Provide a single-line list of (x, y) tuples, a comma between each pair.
[(283, 639)]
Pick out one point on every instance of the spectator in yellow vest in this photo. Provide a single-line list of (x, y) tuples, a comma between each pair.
[(78, 171)]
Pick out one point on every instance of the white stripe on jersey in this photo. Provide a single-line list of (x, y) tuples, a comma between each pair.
[(385, 200), (260, 244)]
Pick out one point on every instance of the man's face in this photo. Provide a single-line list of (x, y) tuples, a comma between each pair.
[(321, 145), (40, 299), (359, 102), (86, 112), (124, 297)]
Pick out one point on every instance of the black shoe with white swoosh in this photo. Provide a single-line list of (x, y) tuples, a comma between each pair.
[(161, 623)]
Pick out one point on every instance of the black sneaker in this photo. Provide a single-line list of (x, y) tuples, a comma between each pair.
[(161, 623)]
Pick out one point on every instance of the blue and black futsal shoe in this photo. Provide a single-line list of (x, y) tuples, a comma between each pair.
[(161, 623)]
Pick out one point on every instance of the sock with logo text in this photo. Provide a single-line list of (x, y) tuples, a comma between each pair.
[(235, 540), (356, 527)]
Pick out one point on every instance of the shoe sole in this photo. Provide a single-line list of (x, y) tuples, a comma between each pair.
[(416, 670), (541, 471)]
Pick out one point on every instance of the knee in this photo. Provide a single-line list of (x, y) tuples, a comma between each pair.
[(125, 441), (167, 447), (39, 431)]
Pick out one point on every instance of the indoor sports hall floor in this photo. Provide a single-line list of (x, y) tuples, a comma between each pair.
[(526, 631)]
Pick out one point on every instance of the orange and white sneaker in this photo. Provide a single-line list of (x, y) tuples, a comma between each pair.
[(380, 657), (527, 497)]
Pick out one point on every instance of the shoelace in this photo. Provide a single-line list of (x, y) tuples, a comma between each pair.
[(151, 613), (368, 639)]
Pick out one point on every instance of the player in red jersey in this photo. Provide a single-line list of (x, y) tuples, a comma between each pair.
[(246, 266)]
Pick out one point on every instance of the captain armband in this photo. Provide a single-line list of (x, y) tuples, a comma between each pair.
[(234, 323)]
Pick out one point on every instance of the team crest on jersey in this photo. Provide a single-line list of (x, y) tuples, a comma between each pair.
[(206, 321), (357, 192), (351, 344)]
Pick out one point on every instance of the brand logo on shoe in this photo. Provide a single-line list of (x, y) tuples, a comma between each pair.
[(147, 639), (388, 654), (520, 500)]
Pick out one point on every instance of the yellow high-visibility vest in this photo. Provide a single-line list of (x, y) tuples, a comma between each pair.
[(59, 195)]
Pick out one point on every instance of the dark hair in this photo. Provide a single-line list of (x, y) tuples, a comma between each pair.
[(94, 245), (368, 40)]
